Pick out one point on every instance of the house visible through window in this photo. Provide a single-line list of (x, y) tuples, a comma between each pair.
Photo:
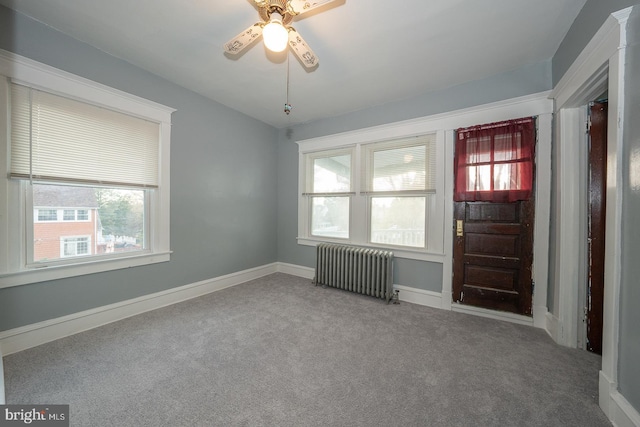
[(113, 219), (86, 177)]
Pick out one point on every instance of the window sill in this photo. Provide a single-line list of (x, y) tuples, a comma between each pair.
[(54, 272), (397, 252)]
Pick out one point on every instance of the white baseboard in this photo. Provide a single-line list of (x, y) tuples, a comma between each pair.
[(429, 299), (540, 316), (551, 326), (22, 338), (491, 314), (622, 413), (296, 270), (419, 296), (618, 409)]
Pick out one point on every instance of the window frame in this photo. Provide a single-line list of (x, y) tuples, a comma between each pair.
[(309, 177), (16, 204), (368, 152), (360, 201)]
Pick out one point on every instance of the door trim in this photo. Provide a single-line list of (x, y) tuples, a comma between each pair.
[(599, 66), (530, 105)]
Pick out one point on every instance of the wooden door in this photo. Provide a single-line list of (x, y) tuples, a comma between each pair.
[(596, 223), (492, 257)]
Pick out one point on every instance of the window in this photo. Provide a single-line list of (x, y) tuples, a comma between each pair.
[(69, 215), (89, 170), (400, 178), (495, 162), (47, 215), (74, 214), (75, 246), (329, 190), (381, 194)]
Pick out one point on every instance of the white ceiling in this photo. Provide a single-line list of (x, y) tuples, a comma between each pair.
[(370, 51)]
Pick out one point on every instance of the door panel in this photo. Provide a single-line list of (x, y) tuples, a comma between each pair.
[(493, 258), (596, 223)]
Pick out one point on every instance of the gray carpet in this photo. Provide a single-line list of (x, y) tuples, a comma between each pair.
[(278, 351)]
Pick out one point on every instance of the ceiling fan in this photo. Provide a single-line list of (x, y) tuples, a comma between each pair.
[(276, 16)]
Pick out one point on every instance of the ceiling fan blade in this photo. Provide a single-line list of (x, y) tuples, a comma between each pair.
[(302, 50), (243, 40), (297, 7)]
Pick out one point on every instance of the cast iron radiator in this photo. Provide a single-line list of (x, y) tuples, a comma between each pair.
[(360, 270)]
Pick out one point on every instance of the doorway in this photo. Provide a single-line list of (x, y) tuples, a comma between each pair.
[(596, 223), (494, 216)]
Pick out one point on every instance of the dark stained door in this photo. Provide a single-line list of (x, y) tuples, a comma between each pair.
[(492, 257), (596, 223)]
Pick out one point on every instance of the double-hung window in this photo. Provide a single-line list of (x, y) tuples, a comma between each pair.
[(329, 189), (86, 187), (400, 184), (385, 194)]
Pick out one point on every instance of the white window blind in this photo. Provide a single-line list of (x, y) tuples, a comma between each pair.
[(405, 165), (54, 138)]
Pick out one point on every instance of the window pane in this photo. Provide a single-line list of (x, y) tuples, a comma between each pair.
[(479, 149), (330, 217), (112, 220), (508, 147), (399, 169), (398, 221), (82, 246), (507, 176), (47, 214), (479, 178), (332, 174), (83, 215), (69, 248)]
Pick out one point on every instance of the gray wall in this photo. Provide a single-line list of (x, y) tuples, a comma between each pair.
[(586, 24), (222, 216), (531, 79), (629, 368)]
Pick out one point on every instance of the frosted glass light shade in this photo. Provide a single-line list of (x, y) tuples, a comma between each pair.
[(275, 35)]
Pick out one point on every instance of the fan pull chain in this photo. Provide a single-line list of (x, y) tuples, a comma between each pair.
[(287, 106)]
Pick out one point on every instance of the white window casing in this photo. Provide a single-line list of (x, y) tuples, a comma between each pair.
[(150, 126), (363, 192)]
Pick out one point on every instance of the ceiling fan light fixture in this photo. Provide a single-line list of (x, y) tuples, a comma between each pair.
[(276, 36)]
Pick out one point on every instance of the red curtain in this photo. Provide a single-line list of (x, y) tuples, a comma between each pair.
[(495, 162)]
